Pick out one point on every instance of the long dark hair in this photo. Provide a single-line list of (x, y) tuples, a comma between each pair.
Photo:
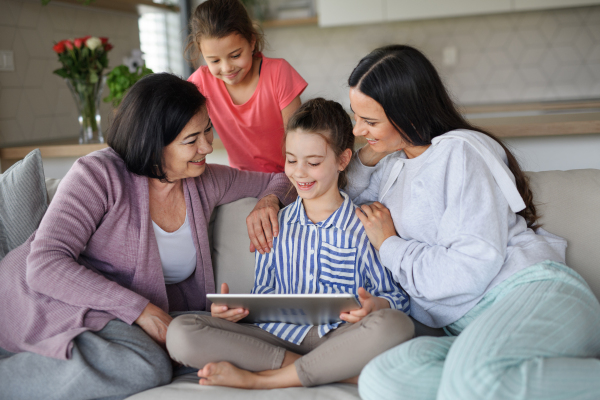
[(152, 114), (405, 83), (218, 19), (329, 120)]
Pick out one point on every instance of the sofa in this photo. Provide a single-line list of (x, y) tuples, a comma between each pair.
[(568, 202)]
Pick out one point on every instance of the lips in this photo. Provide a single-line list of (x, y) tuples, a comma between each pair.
[(201, 161), (372, 141), (231, 76), (305, 185)]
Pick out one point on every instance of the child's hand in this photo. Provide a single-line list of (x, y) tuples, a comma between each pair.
[(224, 312), (369, 304)]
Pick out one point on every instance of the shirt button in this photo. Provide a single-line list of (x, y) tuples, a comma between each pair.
[(311, 276), (312, 251)]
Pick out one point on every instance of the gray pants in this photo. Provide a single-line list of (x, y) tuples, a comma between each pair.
[(114, 363), (196, 340)]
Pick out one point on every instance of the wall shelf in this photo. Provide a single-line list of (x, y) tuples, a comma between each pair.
[(282, 23), (128, 6)]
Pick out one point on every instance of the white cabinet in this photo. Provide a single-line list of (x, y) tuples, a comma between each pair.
[(522, 5), (400, 10), (349, 12), (354, 12)]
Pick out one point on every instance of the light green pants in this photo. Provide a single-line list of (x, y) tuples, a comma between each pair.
[(534, 336)]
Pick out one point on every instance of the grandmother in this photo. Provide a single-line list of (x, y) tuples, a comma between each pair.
[(123, 243)]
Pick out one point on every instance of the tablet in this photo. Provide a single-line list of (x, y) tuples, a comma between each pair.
[(301, 309)]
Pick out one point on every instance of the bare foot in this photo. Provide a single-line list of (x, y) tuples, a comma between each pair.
[(226, 374)]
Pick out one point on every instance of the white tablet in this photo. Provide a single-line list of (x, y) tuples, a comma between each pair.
[(301, 309)]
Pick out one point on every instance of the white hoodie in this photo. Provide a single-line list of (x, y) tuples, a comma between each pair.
[(454, 209)]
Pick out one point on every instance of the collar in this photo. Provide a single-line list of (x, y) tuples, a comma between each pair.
[(339, 219)]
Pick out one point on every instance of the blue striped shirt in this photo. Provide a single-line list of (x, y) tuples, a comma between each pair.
[(332, 256)]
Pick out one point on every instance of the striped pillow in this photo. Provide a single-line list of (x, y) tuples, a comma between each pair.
[(23, 201)]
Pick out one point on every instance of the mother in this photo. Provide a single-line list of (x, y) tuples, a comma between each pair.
[(454, 220), (124, 242)]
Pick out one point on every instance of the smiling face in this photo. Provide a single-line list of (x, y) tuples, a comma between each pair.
[(228, 58), (185, 157), (373, 124), (311, 165)]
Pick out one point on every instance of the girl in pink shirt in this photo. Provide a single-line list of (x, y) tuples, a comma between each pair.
[(249, 97)]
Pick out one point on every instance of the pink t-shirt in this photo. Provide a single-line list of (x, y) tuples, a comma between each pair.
[(252, 133)]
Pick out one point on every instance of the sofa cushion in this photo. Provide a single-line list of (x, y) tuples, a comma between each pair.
[(186, 387), (568, 202), (23, 201), (232, 262)]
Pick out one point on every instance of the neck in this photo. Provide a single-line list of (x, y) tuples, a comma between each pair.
[(415, 151), (163, 190), (321, 208)]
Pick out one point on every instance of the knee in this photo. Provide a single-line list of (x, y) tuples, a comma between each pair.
[(392, 327), (181, 334)]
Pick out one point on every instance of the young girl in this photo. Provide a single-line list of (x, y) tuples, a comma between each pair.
[(322, 248), (250, 97)]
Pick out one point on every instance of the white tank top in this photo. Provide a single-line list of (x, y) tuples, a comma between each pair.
[(177, 252)]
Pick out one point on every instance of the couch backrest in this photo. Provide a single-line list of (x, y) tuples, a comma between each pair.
[(569, 203)]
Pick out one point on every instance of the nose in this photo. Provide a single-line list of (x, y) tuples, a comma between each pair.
[(227, 67), (204, 144), (299, 170), (359, 128)]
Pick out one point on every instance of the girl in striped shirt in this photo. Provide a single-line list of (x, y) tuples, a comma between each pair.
[(321, 248)]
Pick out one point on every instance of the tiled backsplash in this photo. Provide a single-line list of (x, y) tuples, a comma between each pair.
[(515, 57), (35, 104)]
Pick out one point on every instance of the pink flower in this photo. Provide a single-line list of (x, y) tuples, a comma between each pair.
[(78, 42), (68, 44)]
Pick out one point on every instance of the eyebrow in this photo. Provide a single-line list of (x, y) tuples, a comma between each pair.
[(197, 133), (365, 118), (311, 156), (238, 49)]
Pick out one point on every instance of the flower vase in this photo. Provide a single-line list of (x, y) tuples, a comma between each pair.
[(87, 98)]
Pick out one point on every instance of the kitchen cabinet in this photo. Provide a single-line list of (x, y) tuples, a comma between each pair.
[(401, 10), (523, 5), (354, 12), (349, 12)]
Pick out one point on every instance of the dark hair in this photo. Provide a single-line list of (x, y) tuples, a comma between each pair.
[(218, 19), (405, 83), (152, 114), (329, 120)]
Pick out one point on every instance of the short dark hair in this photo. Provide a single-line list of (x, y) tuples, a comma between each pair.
[(407, 86), (152, 114), (329, 120), (218, 19)]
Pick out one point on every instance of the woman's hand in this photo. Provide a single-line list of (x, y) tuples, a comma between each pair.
[(369, 304), (263, 225), (154, 321), (378, 223), (224, 312), (369, 157)]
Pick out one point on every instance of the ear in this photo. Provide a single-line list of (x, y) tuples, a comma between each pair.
[(253, 44), (345, 158)]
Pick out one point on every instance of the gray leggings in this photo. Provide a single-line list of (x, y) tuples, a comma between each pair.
[(113, 363), (196, 340)]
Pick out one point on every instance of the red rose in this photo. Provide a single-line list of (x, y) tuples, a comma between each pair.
[(108, 47), (59, 47), (68, 44), (104, 40), (78, 42)]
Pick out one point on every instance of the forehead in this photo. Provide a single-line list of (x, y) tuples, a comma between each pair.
[(196, 124), (211, 45), (301, 143), (360, 102)]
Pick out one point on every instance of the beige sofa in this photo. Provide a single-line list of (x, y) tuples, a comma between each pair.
[(569, 202)]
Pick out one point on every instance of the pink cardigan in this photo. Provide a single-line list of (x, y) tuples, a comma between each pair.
[(94, 256)]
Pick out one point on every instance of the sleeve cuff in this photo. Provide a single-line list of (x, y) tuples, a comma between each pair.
[(134, 311), (388, 250)]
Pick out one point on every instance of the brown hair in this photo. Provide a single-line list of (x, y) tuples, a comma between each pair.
[(405, 83), (218, 19), (329, 120)]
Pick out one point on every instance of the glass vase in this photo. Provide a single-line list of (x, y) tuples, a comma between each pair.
[(87, 98)]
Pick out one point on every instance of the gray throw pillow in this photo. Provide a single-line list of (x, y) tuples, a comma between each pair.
[(23, 201)]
